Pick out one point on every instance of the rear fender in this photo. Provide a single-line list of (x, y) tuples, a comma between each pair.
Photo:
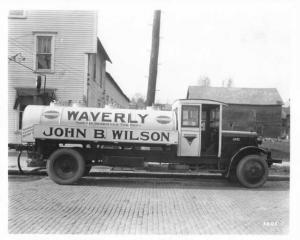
[(241, 153)]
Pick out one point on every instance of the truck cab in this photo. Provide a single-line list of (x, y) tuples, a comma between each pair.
[(200, 127), (203, 141)]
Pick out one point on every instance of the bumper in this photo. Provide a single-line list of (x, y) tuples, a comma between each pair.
[(20, 147), (271, 160)]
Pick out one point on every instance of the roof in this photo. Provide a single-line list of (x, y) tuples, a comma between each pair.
[(101, 49), (116, 85), (202, 100), (22, 92), (27, 91), (230, 95)]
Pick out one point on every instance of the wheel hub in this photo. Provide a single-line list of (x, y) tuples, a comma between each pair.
[(253, 171), (65, 166)]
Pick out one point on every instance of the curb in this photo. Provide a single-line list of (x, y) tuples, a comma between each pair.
[(42, 172), (278, 178)]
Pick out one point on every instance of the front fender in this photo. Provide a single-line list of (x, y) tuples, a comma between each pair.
[(242, 152)]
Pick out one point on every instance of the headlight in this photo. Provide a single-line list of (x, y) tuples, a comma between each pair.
[(259, 140)]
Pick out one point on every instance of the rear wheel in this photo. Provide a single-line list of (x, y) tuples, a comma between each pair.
[(252, 171), (65, 166)]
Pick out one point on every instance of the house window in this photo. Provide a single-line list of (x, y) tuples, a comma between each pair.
[(44, 54), (101, 77), (94, 73), (17, 14), (92, 65)]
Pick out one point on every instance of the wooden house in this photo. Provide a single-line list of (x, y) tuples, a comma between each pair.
[(53, 55), (248, 109)]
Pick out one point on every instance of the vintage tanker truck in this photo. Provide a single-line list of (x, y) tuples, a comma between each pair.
[(70, 140)]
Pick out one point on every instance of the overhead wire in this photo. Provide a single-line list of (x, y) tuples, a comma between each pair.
[(17, 44), (32, 53), (11, 59)]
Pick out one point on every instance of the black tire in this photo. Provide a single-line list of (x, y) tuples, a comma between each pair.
[(65, 166), (252, 171), (232, 177), (87, 170)]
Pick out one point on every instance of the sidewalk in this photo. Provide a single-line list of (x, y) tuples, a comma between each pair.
[(278, 172)]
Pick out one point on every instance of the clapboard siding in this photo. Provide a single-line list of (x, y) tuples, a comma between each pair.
[(97, 86), (75, 36), (115, 97)]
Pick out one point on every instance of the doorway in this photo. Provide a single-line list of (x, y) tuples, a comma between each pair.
[(210, 127)]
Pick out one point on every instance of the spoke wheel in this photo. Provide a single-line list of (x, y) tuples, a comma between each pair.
[(252, 171), (65, 166)]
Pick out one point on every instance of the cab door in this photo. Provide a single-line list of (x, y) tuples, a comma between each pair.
[(190, 131)]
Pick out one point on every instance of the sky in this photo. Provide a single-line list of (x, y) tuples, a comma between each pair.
[(249, 43)]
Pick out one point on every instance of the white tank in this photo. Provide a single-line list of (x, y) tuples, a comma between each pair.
[(96, 118), (107, 117)]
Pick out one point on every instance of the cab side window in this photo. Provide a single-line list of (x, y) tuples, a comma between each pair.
[(190, 116)]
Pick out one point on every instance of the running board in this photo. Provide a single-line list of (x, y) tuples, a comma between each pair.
[(217, 171)]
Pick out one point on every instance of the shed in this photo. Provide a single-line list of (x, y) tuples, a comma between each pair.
[(249, 109)]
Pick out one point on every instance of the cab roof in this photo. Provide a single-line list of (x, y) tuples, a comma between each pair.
[(199, 101)]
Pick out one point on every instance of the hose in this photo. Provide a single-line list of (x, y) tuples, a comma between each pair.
[(19, 164)]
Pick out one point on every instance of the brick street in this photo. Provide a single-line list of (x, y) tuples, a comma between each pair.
[(120, 205)]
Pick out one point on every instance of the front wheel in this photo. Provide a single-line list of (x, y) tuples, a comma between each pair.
[(65, 166), (252, 171)]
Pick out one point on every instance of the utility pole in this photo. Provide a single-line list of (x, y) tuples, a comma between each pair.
[(153, 59)]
